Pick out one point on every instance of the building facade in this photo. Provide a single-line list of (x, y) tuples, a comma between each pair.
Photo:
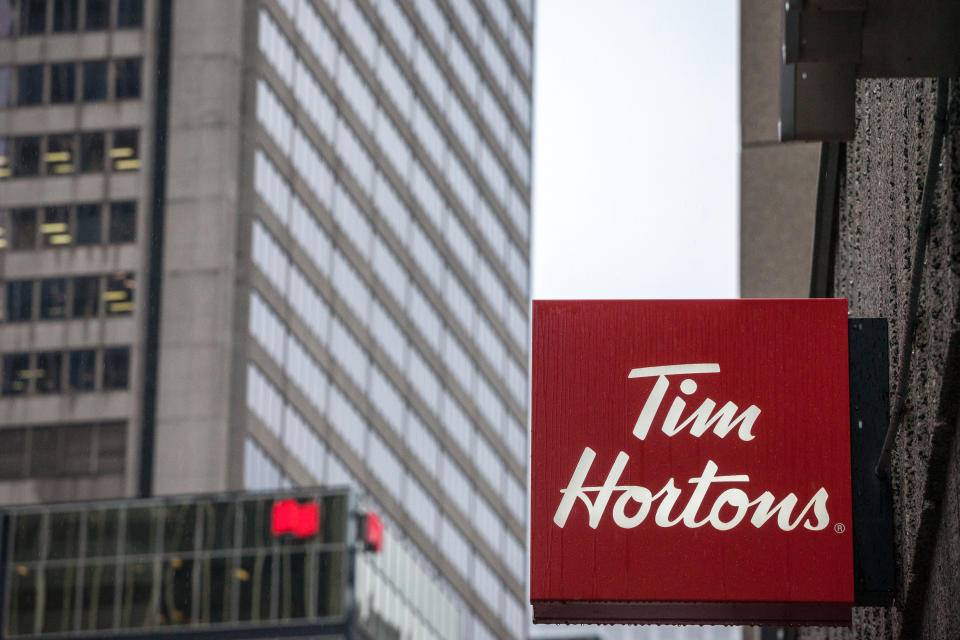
[(846, 219), (75, 134), (302, 563), (260, 244)]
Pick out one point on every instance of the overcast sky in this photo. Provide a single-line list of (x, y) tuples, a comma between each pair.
[(635, 189), (635, 149)]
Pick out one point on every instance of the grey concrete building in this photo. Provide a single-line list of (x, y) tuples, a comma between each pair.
[(881, 173), (257, 244), (76, 123), (778, 181)]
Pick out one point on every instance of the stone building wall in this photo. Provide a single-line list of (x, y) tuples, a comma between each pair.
[(880, 205)]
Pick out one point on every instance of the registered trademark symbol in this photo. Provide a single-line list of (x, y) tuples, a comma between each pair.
[(839, 528)]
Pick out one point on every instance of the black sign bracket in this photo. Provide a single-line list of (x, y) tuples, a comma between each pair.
[(873, 541)]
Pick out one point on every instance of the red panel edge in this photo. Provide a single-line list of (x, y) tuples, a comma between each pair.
[(830, 614)]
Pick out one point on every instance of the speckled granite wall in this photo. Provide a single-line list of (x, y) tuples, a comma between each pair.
[(880, 205)]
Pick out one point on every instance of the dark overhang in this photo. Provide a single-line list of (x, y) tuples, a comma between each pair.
[(828, 44)]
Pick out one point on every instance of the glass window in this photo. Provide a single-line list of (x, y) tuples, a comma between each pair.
[(125, 152), (30, 84), (26, 156), (63, 82), (82, 369), (29, 532), (119, 293), (49, 368), (5, 157), (88, 224), (6, 19), (44, 452), (60, 157), (16, 373), (98, 14), (127, 78), (116, 368), (23, 229), (76, 442), (129, 14), (137, 605), (55, 229), (65, 534), (86, 296), (112, 449), (102, 527), (13, 442), (65, 15), (95, 80), (33, 17), (91, 152), (53, 298), (19, 300), (123, 221), (6, 85)]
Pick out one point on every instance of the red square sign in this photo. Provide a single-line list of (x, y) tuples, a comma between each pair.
[(691, 462)]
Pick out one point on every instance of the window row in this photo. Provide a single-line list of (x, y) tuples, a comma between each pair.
[(466, 130), (319, 108), (393, 587), (392, 339), (304, 300), (89, 223), (508, 25), (327, 468), (303, 370), (260, 471), (312, 167), (464, 557), (403, 33), (466, 69), (267, 403), (60, 154), (56, 371), (307, 303), (37, 17), (299, 438), (63, 450), (310, 450), (63, 298), (513, 32), (67, 82), (307, 90)]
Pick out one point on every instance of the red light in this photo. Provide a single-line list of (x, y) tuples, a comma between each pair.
[(373, 536), (289, 516)]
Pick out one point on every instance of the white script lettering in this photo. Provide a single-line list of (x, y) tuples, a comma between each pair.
[(765, 506), (703, 418)]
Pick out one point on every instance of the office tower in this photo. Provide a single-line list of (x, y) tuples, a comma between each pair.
[(75, 132), (269, 243)]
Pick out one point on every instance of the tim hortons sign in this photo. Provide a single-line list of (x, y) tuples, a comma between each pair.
[(691, 462)]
